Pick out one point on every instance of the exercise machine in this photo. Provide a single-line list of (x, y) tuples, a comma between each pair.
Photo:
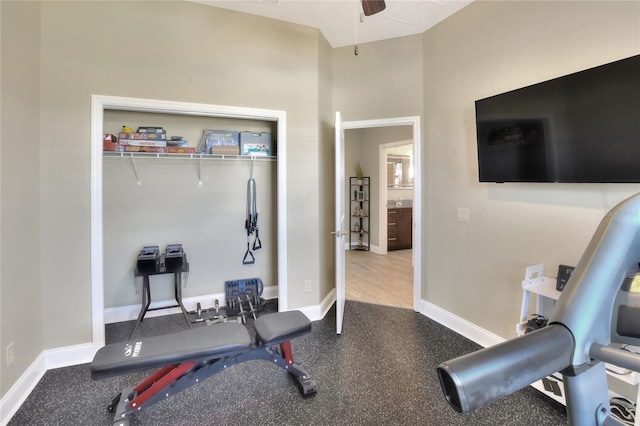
[(598, 308), (193, 355)]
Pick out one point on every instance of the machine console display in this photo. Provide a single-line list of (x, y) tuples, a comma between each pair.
[(632, 283), (625, 324)]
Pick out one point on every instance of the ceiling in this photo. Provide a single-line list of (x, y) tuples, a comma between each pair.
[(339, 20)]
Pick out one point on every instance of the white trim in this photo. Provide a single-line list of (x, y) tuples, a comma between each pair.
[(372, 248), (376, 250), (414, 122), (98, 104), (97, 266), (317, 312), (460, 325), (283, 298), (130, 312), (383, 234), (417, 213), (47, 360), (13, 399), (68, 355)]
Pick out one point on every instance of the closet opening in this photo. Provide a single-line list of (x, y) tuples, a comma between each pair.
[(193, 198)]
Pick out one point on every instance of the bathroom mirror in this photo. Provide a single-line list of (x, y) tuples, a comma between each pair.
[(400, 167)]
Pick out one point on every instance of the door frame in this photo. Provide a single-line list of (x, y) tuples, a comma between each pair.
[(414, 122), (100, 103)]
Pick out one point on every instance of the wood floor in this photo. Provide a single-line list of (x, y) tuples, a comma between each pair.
[(380, 279)]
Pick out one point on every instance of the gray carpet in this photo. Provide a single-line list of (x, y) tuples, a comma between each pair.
[(380, 371)]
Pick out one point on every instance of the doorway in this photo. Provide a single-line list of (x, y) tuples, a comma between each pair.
[(389, 266)]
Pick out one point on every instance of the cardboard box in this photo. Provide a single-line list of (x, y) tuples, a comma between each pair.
[(255, 143), (150, 129), (181, 150), (111, 146), (143, 136), (225, 150), (133, 148), (182, 142), (143, 142), (221, 137), (109, 137)]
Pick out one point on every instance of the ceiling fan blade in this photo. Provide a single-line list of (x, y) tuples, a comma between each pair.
[(371, 7)]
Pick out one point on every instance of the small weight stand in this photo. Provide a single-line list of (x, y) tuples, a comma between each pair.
[(242, 291), (177, 269)]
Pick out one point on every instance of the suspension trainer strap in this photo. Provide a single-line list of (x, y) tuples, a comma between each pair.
[(251, 222), (257, 244)]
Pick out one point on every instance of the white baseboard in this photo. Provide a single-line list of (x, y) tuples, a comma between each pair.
[(317, 312), (21, 389), (372, 248), (47, 360), (327, 303), (69, 355), (460, 325), (375, 249), (130, 312)]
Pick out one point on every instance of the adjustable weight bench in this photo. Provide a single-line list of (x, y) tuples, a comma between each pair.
[(196, 354)]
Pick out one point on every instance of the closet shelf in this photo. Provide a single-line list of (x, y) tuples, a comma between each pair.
[(200, 157), (188, 156)]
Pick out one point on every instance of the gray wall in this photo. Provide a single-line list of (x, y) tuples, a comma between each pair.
[(475, 269), (84, 48), (20, 238), (326, 188), (384, 81)]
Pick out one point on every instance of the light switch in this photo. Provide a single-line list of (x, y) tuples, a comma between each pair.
[(464, 214)]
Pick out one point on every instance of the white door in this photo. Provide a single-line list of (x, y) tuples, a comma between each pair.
[(340, 224)]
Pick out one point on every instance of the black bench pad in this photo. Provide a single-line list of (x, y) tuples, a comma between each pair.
[(282, 326), (151, 352)]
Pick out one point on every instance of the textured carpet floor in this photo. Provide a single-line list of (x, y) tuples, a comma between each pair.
[(380, 371)]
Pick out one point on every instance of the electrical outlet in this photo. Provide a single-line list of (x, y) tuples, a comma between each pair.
[(307, 286), (464, 214), (11, 353)]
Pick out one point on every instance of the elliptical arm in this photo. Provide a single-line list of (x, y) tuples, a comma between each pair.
[(585, 305), (581, 321)]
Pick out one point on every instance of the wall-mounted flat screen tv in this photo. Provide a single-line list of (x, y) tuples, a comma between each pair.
[(582, 127)]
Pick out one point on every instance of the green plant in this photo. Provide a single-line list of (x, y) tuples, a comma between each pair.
[(359, 173)]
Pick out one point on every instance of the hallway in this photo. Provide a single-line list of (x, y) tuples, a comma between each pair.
[(380, 279)]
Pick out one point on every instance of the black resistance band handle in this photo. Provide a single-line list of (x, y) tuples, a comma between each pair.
[(245, 260)]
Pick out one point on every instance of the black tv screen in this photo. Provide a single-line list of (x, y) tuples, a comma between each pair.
[(582, 127)]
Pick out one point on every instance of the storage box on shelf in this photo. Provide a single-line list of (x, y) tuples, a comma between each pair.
[(220, 142), (256, 143)]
